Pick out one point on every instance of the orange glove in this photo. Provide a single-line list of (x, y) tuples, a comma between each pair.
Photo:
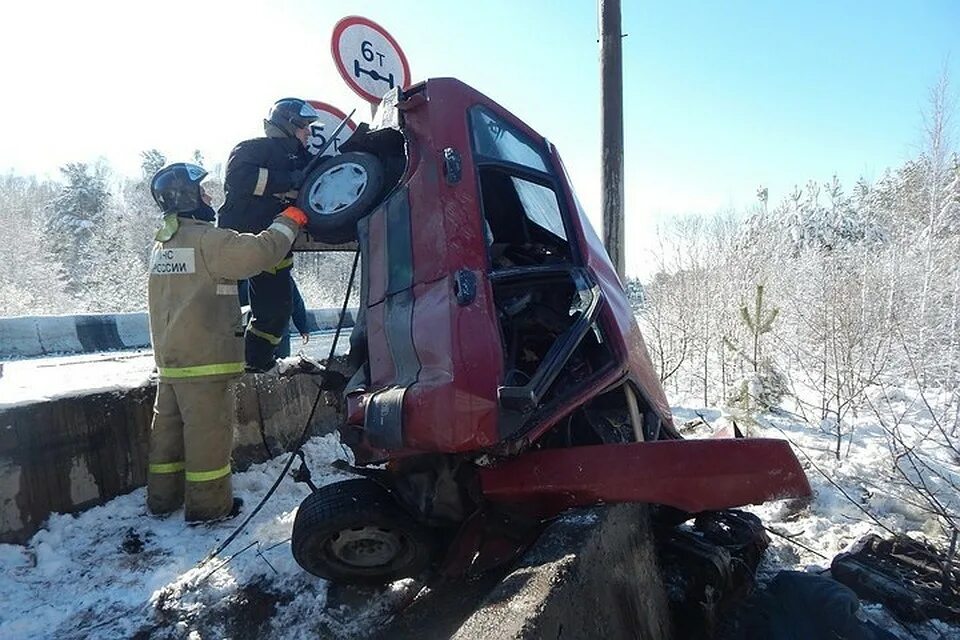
[(295, 214)]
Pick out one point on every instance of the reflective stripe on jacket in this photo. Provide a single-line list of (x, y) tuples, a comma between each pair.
[(192, 295)]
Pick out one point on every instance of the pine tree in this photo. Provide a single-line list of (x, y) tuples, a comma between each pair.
[(82, 200), (151, 161), (950, 214), (759, 323), (765, 386), (72, 219), (32, 281)]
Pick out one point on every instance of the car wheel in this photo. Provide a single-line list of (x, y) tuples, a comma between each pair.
[(354, 532), (338, 193)]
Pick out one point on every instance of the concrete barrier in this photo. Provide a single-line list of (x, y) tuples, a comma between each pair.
[(593, 573), (34, 336), (326, 319), (72, 453)]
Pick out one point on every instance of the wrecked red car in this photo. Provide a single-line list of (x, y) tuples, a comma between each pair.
[(499, 373)]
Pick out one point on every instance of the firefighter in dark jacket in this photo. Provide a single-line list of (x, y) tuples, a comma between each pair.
[(298, 315), (262, 179), (195, 331)]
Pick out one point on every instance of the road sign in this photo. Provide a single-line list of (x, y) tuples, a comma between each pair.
[(330, 117), (368, 58)]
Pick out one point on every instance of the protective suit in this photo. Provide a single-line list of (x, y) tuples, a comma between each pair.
[(198, 346)]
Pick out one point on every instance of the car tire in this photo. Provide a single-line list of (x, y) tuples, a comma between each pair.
[(354, 532), (338, 193)]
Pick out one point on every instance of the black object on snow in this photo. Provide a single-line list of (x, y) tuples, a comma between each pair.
[(905, 575), (803, 606), (708, 567)]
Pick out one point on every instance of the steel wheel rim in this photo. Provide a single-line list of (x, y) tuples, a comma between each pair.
[(337, 188), (366, 547)]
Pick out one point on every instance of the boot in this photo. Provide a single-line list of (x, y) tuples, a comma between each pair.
[(233, 513)]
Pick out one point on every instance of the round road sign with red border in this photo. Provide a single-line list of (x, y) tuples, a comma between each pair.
[(330, 118), (368, 58)]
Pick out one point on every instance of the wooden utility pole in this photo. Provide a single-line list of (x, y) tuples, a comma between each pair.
[(611, 132)]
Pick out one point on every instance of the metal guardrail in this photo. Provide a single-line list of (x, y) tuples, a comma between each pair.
[(36, 336)]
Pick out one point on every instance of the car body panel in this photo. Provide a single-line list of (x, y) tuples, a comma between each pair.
[(448, 355), (481, 348), (691, 475)]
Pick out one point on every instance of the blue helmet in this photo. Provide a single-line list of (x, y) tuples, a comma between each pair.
[(176, 187)]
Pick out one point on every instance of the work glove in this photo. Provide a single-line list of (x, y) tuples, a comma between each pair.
[(295, 214)]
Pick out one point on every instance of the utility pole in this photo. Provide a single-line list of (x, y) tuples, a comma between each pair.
[(611, 132)]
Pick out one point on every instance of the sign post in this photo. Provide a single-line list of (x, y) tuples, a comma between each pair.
[(368, 58)]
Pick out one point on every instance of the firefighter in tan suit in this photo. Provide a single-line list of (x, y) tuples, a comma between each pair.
[(198, 341)]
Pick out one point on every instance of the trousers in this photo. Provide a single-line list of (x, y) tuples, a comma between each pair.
[(271, 303), (191, 439)]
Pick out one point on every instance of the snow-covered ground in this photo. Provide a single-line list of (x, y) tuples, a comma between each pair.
[(855, 495), (39, 379), (115, 571)]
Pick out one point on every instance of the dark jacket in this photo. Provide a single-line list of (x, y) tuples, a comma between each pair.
[(258, 175)]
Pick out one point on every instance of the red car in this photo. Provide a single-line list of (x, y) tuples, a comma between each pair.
[(500, 373)]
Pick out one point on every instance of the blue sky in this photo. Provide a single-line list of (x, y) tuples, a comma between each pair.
[(721, 97)]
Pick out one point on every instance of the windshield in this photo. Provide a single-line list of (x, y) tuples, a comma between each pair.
[(496, 140)]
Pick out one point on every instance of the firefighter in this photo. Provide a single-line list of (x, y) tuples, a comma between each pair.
[(298, 315), (263, 176), (197, 341)]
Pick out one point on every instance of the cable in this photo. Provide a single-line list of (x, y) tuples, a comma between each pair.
[(303, 435), (263, 424), (792, 541)]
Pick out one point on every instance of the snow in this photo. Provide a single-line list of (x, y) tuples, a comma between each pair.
[(845, 491), (39, 379), (115, 571), (76, 574)]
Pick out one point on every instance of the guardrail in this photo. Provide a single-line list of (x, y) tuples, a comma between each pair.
[(34, 336)]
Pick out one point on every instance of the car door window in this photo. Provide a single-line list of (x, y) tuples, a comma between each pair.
[(496, 140), (524, 225), (540, 206)]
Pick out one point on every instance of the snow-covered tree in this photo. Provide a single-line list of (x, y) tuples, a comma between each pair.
[(32, 280), (82, 200), (151, 161)]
